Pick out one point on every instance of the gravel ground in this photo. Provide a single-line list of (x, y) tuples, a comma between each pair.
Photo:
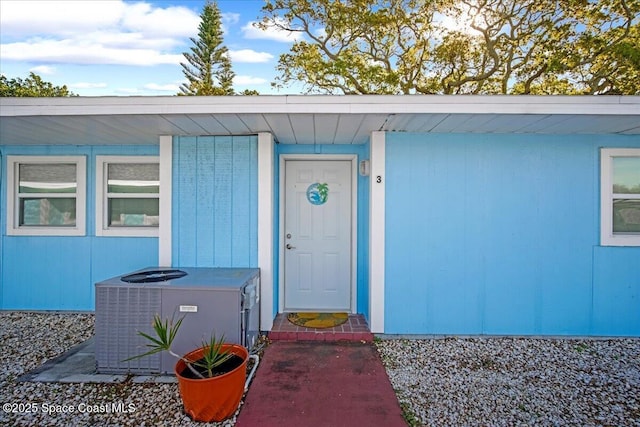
[(27, 340), (515, 381), (439, 382)]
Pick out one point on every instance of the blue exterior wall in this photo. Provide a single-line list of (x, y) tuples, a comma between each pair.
[(485, 234), (499, 234), (215, 201), (362, 262), (59, 273)]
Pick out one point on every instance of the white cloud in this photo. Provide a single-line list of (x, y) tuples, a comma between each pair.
[(43, 69), (321, 33), (70, 51), (248, 80), (64, 18), (94, 32), (251, 31), (230, 18), (171, 87), (128, 91), (160, 22), (249, 56), (24, 18), (87, 85)]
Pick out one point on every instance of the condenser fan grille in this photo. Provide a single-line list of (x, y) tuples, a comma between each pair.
[(152, 276)]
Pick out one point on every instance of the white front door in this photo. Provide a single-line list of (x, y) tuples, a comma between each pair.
[(317, 235)]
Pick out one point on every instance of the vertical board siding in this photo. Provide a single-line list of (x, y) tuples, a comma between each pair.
[(223, 187), (244, 167), (59, 273), (206, 203), (215, 201), (185, 208), (495, 234)]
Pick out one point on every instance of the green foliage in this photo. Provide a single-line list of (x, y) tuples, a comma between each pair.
[(208, 68), (249, 92), (323, 190), (214, 355), (498, 46), (165, 333), (408, 415), (32, 86), (363, 46)]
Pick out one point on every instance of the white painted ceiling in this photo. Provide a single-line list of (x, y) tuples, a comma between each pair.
[(303, 119)]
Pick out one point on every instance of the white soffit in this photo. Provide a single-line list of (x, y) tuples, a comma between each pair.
[(312, 119)]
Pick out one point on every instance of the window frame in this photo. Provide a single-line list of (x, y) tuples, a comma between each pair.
[(13, 195), (102, 204), (607, 236)]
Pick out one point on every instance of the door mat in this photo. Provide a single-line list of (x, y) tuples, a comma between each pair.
[(318, 320)]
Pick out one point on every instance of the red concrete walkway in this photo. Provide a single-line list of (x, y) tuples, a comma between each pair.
[(315, 384)]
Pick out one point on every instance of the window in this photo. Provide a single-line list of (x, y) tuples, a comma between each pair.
[(127, 196), (46, 195), (620, 197)]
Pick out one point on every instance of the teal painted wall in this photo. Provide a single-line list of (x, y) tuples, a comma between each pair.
[(499, 234), (215, 201), (59, 273)]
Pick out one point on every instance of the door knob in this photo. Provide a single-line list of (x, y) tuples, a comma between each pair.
[(289, 246)]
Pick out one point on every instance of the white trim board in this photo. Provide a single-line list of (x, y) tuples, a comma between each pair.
[(265, 228), (377, 232), (166, 203)]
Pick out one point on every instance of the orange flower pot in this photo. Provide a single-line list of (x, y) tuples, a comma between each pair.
[(216, 398)]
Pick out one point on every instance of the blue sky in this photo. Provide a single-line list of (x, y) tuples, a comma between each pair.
[(130, 48)]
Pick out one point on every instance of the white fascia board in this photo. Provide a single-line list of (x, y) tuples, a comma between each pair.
[(315, 104)]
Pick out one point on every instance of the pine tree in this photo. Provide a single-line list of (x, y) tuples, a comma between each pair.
[(209, 69)]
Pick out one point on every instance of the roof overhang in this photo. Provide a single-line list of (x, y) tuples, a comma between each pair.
[(307, 119)]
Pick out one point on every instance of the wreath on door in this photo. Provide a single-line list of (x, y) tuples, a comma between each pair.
[(317, 193)]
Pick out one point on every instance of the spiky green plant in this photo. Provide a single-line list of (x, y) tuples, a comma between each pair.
[(166, 331), (214, 355)]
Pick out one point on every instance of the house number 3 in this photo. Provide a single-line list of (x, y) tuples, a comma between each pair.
[(378, 179)]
